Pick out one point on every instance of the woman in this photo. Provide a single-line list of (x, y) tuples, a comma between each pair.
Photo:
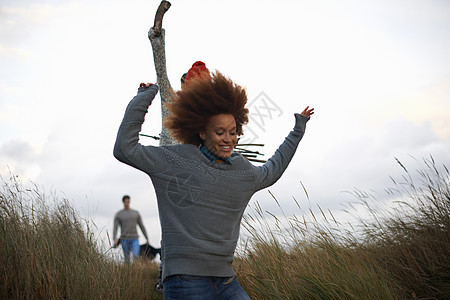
[(202, 188)]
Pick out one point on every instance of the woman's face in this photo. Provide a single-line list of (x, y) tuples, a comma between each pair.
[(220, 135)]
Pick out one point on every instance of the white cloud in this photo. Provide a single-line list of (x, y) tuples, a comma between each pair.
[(376, 73), (14, 53), (19, 157), (430, 104)]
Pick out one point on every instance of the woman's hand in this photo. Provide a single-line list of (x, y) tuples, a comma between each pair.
[(143, 84), (307, 112)]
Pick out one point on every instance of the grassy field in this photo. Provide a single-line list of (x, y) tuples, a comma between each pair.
[(50, 253), (402, 252)]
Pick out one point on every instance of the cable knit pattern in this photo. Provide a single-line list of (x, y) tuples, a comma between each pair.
[(200, 203)]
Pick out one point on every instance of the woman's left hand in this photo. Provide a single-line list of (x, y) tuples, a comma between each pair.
[(143, 84), (307, 112)]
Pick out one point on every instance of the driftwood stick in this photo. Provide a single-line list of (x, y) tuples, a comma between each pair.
[(242, 150), (150, 136), (163, 7), (257, 160), (249, 144)]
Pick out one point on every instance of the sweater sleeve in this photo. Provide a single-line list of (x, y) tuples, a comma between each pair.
[(271, 171), (116, 225), (141, 226), (127, 148)]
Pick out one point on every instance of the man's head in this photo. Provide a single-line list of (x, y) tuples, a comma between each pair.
[(126, 202)]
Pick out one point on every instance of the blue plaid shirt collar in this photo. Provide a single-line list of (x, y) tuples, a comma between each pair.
[(213, 158)]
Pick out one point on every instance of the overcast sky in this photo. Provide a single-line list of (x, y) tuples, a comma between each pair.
[(377, 73)]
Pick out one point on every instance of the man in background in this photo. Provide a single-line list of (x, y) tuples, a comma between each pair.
[(128, 218)]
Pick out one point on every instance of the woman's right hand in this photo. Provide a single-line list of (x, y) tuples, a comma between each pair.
[(307, 112)]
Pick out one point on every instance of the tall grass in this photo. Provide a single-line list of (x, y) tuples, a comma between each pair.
[(47, 252), (413, 239), (308, 260), (401, 252)]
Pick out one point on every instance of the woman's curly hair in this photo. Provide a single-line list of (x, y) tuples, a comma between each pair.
[(193, 106)]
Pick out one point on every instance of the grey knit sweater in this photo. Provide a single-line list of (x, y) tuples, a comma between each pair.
[(128, 219), (200, 203)]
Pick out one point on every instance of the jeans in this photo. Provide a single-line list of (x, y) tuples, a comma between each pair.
[(130, 245), (203, 287)]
